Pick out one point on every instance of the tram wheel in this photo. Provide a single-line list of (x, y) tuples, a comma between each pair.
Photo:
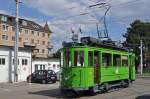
[(91, 91), (106, 87)]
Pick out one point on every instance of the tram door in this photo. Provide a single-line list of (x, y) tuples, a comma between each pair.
[(131, 68), (96, 67)]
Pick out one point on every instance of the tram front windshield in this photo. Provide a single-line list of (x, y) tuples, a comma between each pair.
[(75, 60), (78, 58)]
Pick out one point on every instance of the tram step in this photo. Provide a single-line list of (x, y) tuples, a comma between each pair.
[(114, 85)]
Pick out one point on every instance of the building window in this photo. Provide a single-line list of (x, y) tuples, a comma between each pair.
[(38, 33), (26, 39), (38, 51), (43, 42), (4, 37), (13, 29), (26, 31), (13, 38), (20, 39), (36, 67), (5, 27), (20, 30), (2, 61), (24, 23), (43, 51), (43, 34), (58, 66), (32, 41), (41, 67), (32, 32), (48, 35), (4, 18), (24, 62), (54, 66), (14, 62), (38, 42)]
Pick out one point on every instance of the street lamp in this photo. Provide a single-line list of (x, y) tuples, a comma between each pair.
[(141, 55)]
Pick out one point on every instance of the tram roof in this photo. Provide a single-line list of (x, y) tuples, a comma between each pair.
[(82, 45)]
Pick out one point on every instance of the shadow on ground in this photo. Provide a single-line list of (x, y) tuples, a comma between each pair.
[(54, 93), (147, 96)]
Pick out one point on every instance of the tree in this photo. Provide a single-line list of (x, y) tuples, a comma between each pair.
[(139, 30)]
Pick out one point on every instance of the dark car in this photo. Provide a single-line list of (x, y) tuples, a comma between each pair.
[(43, 76)]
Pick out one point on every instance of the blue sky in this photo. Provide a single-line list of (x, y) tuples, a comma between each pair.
[(120, 15)]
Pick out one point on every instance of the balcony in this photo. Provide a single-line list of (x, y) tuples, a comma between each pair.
[(28, 44), (50, 55), (39, 55), (49, 46)]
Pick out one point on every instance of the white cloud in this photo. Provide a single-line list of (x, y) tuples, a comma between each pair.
[(5, 12), (123, 11)]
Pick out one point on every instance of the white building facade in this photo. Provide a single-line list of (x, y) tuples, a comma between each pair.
[(46, 64), (7, 64)]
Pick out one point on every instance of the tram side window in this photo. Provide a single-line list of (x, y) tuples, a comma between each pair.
[(106, 59), (116, 60), (96, 58), (79, 58), (90, 58), (67, 59), (124, 60)]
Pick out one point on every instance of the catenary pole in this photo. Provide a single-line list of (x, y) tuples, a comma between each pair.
[(141, 56), (16, 43)]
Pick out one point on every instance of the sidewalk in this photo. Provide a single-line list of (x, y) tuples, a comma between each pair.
[(22, 85), (13, 85), (142, 76)]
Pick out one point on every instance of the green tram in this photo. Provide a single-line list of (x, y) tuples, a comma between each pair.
[(94, 68)]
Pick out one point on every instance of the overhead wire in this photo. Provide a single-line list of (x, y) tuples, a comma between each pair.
[(86, 13)]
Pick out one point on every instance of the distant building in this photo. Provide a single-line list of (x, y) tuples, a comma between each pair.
[(46, 64), (7, 64), (34, 44)]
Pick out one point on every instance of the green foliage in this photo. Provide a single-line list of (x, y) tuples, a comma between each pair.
[(139, 30)]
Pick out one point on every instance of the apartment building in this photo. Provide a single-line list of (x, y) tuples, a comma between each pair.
[(31, 34), (34, 43)]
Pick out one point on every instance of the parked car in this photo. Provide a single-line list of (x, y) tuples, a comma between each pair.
[(43, 76)]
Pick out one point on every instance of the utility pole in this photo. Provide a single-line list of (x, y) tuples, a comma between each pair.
[(141, 55), (16, 43)]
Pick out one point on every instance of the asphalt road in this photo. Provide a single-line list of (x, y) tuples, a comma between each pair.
[(140, 89)]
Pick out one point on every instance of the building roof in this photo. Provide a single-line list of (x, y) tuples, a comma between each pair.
[(27, 24), (46, 28)]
